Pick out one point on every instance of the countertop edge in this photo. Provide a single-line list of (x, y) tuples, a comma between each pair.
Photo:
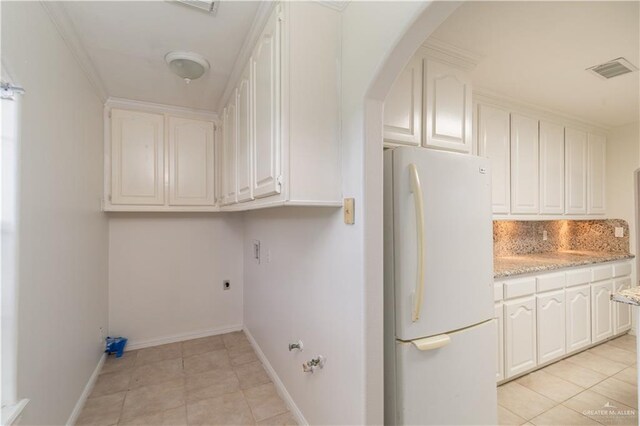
[(554, 267)]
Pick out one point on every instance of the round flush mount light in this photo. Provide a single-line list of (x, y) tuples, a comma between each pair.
[(187, 65)]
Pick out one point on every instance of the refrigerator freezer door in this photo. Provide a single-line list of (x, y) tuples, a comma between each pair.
[(452, 288), (451, 385)]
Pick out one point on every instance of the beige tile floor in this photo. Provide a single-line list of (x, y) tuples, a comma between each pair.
[(215, 380), (597, 386)]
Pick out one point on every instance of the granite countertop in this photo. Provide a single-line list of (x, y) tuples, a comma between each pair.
[(507, 266), (630, 296)]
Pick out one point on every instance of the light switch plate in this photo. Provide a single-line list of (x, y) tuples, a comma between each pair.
[(619, 232), (349, 211)]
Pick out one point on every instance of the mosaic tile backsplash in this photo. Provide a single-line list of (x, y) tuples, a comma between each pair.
[(511, 238)]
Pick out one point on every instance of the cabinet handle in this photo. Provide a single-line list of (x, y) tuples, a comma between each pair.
[(416, 189)]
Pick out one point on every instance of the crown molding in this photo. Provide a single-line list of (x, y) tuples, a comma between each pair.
[(338, 5), (452, 55), (259, 21), (60, 18), (112, 102), (486, 96)]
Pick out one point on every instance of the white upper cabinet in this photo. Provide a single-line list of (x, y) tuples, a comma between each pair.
[(597, 147), (137, 158), (575, 143), (191, 162), (550, 325), (245, 142), (230, 139), (551, 168), (403, 107), (524, 165), (447, 107), (493, 140), (265, 64)]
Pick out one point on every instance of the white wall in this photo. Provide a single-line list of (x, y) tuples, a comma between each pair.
[(62, 235), (166, 273)]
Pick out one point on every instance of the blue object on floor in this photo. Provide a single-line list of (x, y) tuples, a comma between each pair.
[(116, 345)]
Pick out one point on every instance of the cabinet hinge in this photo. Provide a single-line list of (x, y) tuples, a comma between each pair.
[(279, 181), (281, 17)]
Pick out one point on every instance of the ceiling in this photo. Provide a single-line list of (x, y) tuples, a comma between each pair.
[(126, 41), (537, 52)]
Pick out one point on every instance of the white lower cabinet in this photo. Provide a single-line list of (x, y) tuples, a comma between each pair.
[(499, 318), (550, 320), (520, 335), (601, 311), (621, 311), (578, 317)]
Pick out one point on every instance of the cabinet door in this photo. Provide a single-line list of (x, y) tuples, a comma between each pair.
[(230, 153), (191, 162), (578, 317), (137, 158), (520, 335), (245, 169), (597, 158), (622, 311), (551, 168), (493, 143), (448, 109), (265, 64), (403, 107), (524, 165), (575, 145), (550, 316), (601, 311), (499, 318)]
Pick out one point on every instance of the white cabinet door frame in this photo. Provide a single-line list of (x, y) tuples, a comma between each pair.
[(596, 174), (520, 335), (493, 140), (230, 131), (601, 311), (245, 138), (575, 143), (191, 162), (524, 165), (578, 317), (403, 107), (550, 315), (551, 168), (137, 158)]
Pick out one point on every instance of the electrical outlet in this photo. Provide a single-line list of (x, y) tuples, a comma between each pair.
[(256, 251), (619, 232), (226, 285), (545, 236)]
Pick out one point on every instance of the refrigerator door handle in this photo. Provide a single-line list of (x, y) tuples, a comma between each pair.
[(416, 189), (430, 343)]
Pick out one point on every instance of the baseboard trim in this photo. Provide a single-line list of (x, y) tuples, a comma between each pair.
[(282, 390), (86, 392), (140, 344)]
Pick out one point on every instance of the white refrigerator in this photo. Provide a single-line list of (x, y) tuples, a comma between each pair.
[(440, 336)]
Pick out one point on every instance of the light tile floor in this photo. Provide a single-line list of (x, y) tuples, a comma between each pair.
[(215, 380), (597, 386)]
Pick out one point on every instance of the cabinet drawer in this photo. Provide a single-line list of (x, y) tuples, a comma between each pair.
[(601, 273), (497, 292), (550, 282), (520, 287), (582, 276), (622, 269)]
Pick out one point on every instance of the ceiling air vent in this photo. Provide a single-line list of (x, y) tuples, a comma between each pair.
[(204, 5), (613, 68)]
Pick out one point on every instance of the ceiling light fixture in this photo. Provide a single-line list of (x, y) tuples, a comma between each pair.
[(187, 65)]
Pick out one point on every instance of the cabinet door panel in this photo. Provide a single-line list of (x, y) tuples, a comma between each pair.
[(601, 311), (137, 158), (403, 107), (596, 174), (520, 336), (499, 318), (550, 316), (622, 311), (266, 109), (191, 162), (493, 139), (578, 317), (575, 144), (551, 168), (448, 110), (230, 131), (245, 169), (524, 165)]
